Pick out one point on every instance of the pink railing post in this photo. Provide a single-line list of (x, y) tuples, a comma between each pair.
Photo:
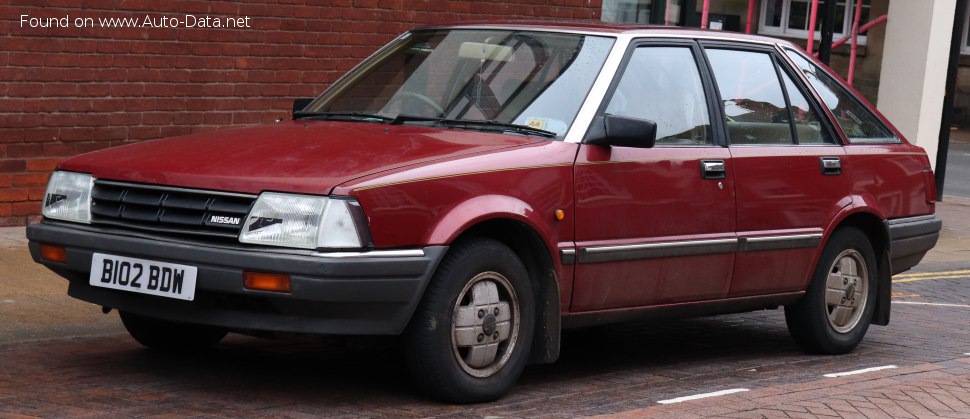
[(667, 13), (855, 40), (704, 12), (811, 26), (747, 28)]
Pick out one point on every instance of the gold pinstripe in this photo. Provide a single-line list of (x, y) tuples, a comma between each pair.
[(478, 172)]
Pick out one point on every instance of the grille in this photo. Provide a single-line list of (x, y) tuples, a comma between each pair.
[(169, 210)]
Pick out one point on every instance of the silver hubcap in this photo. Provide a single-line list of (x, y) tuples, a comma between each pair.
[(847, 290), (485, 324)]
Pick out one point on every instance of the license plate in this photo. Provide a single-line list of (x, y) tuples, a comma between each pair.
[(143, 276)]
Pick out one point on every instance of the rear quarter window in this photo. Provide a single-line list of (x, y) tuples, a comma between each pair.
[(856, 121)]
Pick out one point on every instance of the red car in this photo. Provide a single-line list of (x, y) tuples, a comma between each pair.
[(480, 187)]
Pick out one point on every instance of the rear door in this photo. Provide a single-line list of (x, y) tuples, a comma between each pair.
[(652, 226), (788, 168)]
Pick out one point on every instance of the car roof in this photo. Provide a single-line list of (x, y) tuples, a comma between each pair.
[(611, 29)]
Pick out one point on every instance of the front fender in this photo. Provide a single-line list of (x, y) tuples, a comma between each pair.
[(466, 214)]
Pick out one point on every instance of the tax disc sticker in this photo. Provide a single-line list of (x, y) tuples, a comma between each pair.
[(536, 123)]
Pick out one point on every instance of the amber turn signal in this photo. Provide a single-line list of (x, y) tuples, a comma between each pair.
[(560, 214), (266, 282), (53, 253)]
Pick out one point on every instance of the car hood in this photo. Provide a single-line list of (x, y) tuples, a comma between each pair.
[(294, 156)]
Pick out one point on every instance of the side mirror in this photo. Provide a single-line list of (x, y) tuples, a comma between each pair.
[(622, 131), (299, 104)]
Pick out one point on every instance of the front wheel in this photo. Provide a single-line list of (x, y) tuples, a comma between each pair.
[(835, 313), (470, 337), (169, 336)]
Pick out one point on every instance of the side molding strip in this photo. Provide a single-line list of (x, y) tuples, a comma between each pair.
[(657, 250), (690, 248), (568, 256), (795, 241)]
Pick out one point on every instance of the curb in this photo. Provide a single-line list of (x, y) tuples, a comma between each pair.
[(956, 200)]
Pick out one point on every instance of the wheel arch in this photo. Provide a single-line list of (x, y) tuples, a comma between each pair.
[(875, 228), (532, 250)]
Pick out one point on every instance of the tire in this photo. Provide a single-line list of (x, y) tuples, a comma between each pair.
[(479, 298), (834, 315), (169, 336)]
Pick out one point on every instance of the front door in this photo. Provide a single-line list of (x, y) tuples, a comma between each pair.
[(656, 225)]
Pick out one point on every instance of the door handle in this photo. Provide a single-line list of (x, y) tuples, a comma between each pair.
[(713, 169), (831, 166)]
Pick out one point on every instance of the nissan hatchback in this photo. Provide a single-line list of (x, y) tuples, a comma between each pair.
[(479, 188)]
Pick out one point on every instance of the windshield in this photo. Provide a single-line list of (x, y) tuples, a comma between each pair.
[(532, 79)]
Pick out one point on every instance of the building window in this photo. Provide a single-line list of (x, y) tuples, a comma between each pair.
[(790, 18), (657, 12)]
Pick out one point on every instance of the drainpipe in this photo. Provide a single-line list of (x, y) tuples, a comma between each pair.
[(855, 40), (747, 28), (951, 89), (704, 12), (811, 26), (828, 26)]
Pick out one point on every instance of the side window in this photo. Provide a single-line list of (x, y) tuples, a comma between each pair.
[(663, 84), (855, 120), (808, 127), (754, 104)]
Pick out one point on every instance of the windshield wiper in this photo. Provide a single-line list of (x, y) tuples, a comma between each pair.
[(475, 124), (342, 115)]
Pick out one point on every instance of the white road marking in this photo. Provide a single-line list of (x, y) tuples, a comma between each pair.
[(862, 371), (703, 395), (917, 303)]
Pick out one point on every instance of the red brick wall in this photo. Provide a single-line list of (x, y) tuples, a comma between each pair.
[(65, 91)]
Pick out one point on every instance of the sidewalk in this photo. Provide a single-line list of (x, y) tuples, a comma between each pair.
[(34, 304), (954, 244), (13, 236)]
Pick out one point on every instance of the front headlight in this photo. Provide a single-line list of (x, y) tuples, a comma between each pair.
[(68, 197), (306, 221)]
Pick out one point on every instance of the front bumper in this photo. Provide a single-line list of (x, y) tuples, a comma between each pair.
[(332, 293)]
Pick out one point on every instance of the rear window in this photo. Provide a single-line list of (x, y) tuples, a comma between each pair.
[(754, 104), (857, 122)]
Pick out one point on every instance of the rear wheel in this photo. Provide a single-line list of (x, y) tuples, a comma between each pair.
[(470, 337), (169, 336), (835, 313)]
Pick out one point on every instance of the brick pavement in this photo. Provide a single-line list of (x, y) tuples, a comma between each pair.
[(622, 370), (617, 370)]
